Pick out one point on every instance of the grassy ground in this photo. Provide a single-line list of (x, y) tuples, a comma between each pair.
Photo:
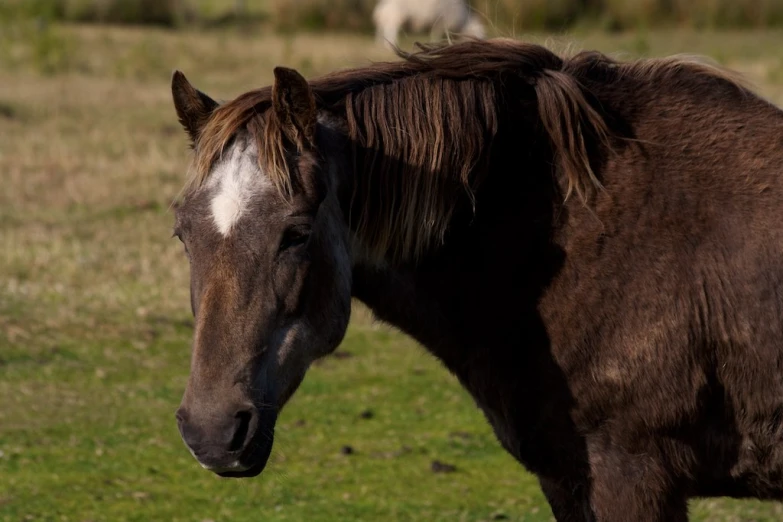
[(94, 312)]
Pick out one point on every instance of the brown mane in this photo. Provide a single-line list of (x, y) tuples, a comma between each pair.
[(434, 114)]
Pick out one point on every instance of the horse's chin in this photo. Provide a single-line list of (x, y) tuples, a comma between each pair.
[(251, 472)]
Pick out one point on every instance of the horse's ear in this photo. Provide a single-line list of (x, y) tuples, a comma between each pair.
[(294, 106), (193, 106)]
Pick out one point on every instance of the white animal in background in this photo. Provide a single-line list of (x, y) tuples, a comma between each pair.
[(441, 16)]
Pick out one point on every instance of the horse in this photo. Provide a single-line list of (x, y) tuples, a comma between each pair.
[(593, 247), (441, 16)]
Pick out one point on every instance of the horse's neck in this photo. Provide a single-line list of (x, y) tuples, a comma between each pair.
[(468, 295), (474, 309), (471, 282), (402, 298)]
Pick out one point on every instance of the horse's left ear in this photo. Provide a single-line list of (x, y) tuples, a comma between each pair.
[(294, 106), (193, 106)]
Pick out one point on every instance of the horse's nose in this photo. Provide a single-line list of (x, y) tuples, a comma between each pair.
[(217, 441)]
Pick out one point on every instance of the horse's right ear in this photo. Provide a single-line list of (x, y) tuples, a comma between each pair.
[(294, 106), (193, 106)]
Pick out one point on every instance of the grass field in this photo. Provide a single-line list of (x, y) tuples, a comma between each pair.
[(95, 321)]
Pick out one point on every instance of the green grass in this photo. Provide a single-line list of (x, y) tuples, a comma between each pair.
[(94, 310), (99, 442)]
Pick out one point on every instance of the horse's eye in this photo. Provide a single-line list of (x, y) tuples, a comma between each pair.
[(178, 235), (294, 236)]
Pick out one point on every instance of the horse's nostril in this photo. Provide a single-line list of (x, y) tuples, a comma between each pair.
[(243, 423), (181, 415)]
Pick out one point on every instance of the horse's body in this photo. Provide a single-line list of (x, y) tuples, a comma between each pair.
[(625, 342), (440, 16)]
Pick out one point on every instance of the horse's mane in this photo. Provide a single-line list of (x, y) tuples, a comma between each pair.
[(421, 128)]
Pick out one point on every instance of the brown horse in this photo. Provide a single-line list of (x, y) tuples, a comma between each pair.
[(594, 248)]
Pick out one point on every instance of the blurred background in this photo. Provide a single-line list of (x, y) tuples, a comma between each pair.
[(95, 320)]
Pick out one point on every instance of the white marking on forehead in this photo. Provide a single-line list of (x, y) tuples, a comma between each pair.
[(235, 180)]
